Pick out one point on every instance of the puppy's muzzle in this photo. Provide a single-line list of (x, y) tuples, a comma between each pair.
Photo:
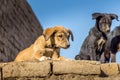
[(68, 45)]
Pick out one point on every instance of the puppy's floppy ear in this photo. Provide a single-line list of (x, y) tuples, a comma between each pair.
[(71, 34), (114, 16), (96, 15), (48, 33)]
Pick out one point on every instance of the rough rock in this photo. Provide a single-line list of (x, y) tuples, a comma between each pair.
[(109, 69), (26, 69), (59, 70), (76, 67)]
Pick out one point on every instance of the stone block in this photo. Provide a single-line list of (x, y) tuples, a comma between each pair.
[(76, 67), (109, 69), (26, 69)]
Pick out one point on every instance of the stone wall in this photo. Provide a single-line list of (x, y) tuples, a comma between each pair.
[(59, 70), (19, 28)]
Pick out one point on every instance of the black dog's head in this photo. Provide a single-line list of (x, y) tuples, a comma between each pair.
[(104, 21)]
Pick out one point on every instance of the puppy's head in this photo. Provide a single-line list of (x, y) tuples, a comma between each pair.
[(59, 36), (104, 21)]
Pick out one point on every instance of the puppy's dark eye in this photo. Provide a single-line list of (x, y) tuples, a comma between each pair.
[(60, 36)]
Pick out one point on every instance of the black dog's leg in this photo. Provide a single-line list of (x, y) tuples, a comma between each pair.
[(102, 58), (113, 57), (92, 54), (82, 57), (107, 60), (77, 57), (107, 57)]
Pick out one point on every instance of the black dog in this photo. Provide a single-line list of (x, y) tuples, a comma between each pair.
[(112, 45), (93, 45)]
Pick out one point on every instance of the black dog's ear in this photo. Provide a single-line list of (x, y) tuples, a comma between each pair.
[(96, 15), (114, 16)]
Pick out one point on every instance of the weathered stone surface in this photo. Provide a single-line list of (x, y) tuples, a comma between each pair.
[(109, 69), (26, 69), (108, 78), (19, 28), (25, 78), (59, 70), (71, 77), (3, 64), (76, 67), (119, 67)]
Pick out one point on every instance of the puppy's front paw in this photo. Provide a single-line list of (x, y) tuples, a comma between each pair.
[(44, 58), (63, 58)]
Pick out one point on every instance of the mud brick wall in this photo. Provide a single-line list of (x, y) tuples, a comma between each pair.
[(59, 70), (19, 28)]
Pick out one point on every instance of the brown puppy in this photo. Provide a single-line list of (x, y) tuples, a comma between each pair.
[(47, 46)]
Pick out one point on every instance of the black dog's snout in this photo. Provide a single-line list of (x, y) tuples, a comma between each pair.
[(108, 31)]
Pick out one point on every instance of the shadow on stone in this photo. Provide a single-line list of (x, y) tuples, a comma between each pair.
[(103, 74)]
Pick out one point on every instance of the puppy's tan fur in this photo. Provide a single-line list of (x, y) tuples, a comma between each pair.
[(47, 46)]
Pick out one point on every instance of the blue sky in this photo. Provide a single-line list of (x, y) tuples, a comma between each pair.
[(75, 15)]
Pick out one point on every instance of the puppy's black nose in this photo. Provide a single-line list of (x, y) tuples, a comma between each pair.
[(68, 45)]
